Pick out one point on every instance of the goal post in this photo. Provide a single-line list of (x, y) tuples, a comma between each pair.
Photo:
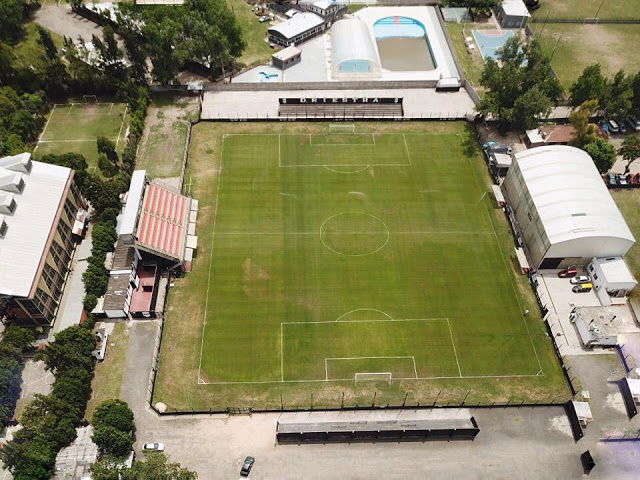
[(90, 98), (373, 377), (342, 128)]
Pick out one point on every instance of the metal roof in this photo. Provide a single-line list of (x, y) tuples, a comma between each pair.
[(297, 24), (132, 207), (163, 223), (615, 270), (351, 40), (374, 425), (515, 8), (28, 228), (569, 194), (286, 53)]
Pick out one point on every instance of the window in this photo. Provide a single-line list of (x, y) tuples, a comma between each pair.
[(595, 276), (69, 211)]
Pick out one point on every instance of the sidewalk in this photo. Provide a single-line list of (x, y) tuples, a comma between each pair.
[(70, 310)]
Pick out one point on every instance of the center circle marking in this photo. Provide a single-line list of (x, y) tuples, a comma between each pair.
[(354, 234)]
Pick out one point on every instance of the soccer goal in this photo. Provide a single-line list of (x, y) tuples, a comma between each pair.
[(342, 128), (90, 98), (372, 377)]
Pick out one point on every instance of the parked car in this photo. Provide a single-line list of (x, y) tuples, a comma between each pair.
[(495, 147), (582, 288), (568, 272), (580, 279), (634, 122), (613, 126), (622, 180), (264, 18), (246, 466), (612, 178), (623, 127), (153, 447)]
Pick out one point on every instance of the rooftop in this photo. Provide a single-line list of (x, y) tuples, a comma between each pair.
[(569, 194), (297, 24), (30, 224), (163, 223), (516, 8), (286, 53)]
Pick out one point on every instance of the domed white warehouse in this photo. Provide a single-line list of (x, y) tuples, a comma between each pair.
[(565, 213), (353, 52)]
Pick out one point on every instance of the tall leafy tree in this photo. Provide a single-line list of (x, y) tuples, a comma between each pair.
[(521, 87), (630, 151), (618, 96), (590, 85), (12, 14), (635, 87), (585, 131), (602, 152)]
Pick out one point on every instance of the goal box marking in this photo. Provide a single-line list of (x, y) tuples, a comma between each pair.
[(373, 377)]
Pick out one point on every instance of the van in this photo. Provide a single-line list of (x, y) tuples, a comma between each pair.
[(613, 126), (634, 122)]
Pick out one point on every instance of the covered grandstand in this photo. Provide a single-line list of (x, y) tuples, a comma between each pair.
[(353, 53)]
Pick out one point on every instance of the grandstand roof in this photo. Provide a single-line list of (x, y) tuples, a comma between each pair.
[(297, 24), (569, 194), (163, 223), (351, 40)]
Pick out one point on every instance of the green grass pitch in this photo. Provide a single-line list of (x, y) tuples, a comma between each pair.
[(75, 128), (336, 255)]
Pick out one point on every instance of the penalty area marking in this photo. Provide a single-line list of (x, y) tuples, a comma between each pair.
[(328, 359)]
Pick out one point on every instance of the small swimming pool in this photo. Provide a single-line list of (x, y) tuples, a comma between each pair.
[(403, 44)]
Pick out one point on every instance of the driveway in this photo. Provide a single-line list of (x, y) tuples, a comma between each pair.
[(513, 443), (62, 20)]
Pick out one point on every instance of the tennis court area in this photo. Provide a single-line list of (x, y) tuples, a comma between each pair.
[(345, 261), (489, 41)]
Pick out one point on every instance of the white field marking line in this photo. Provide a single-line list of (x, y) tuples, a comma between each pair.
[(453, 344), (110, 108), (347, 173), (349, 165), (282, 354), (213, 235), (70, 107), (406, 148), (355, 254), (279, 152), (364, 233), (124, 116), (504, 260), (71, 141), (316, 380), (373, 142), (364, 310), (443, 319), (46, 124), (413, 358)]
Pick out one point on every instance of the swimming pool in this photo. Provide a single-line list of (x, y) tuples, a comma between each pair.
[(403, 44)]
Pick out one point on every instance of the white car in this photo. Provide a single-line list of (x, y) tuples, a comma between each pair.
[(578, 279), (153, 447)]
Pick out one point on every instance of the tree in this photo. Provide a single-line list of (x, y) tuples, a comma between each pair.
[(590, 85), (521, 88), (74, 161), (46, 41), (106, 166), (111, 441), (630, 151), (107, 147), (157, 467), (12, 14), (635, 87), (74, 387), (7, 58), (602, 152), (585, 130), (618, 96), (114, 413), (18, 337), (71, 348)]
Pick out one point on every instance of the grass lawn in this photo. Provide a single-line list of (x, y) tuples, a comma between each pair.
[(472, 63), (162, 146), (629, 202), (29, 51), (579, 9), (257, 50), (613, 46), (75, 127), (324, 255), (107, 377)]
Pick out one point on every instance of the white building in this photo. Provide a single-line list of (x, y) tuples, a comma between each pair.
[(611, 279), (353, 53), (565, 213), (512, 14)]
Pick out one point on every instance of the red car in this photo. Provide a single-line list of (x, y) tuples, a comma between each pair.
[(568, 273)]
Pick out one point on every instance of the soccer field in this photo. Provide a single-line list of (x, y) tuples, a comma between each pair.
[(74, 127), (361, 258)]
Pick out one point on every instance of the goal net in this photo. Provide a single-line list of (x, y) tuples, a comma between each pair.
[(342, 128), (90, 98), (373, 377)]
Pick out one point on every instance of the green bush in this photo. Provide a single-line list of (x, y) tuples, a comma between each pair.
[(89, 303), (114, 413), (111, 441), (106, 166)]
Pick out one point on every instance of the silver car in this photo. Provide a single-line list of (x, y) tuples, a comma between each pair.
[(153, 447), (578, 279)]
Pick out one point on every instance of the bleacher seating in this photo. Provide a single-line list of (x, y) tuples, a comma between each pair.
[(344, 110)]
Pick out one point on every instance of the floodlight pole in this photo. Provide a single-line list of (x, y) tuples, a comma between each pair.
[(598, 11), (555, 48)]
